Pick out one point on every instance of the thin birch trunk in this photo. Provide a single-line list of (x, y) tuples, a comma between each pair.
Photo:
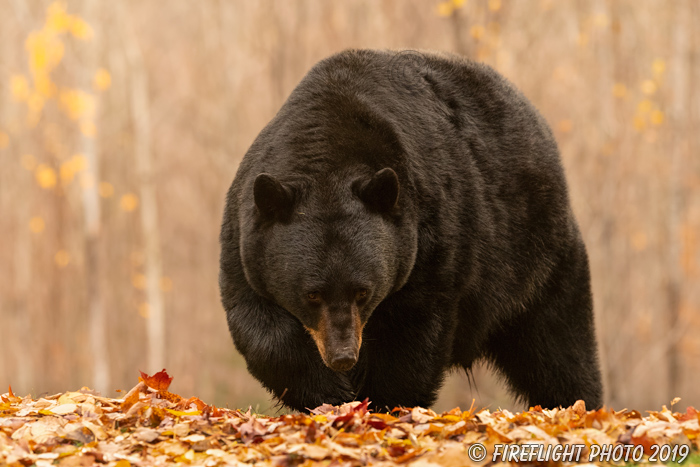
[(679, 118), (605, 55), (140, 109), (91, 209), (24, 359)]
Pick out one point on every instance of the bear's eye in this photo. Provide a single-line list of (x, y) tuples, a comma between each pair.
[(313, 296), (360, 294)]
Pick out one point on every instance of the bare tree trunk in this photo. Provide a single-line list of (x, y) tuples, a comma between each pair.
[(606, 68), (24, 365), (679, 118), (140, 109), (91, 209)]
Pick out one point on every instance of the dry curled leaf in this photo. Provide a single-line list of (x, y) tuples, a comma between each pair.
[(151, 426)]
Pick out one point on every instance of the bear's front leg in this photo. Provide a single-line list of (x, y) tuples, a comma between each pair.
[(548, 354), (282, 356), (404, 355)]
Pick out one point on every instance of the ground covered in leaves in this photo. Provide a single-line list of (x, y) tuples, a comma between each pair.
[(151, 426)]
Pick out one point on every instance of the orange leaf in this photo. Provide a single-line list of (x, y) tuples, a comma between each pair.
[(132, 396), (169, 396), (645, 441), (159, 381), (690, 414), (192, 400)]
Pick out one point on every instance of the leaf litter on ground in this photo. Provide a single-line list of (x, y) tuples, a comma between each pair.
[(152, 426)]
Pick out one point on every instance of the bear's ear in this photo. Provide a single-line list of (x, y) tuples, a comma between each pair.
[(272, 199), (381, 192)]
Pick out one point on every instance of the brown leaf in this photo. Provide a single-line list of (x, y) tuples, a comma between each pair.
[(579, 408), (252, 431)]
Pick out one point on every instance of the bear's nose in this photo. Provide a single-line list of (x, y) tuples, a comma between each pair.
[(343, 361)]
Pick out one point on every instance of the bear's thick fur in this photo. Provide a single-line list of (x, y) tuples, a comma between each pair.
[(405, 213)]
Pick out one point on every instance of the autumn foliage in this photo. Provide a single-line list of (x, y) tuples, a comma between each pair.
[(152, 426)]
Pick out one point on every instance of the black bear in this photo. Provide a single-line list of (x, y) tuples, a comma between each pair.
[(403, 214)]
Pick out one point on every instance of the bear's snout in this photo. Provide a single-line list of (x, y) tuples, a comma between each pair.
[(343, 360), (338, 337)]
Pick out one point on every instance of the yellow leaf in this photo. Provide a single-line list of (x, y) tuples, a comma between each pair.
[(565, 126), (644, 106), (181, 414), (67, 172), (102, 80), (129, 202), (36, 224), (4, 140), (105, 189), (56, 18), (19, 87), (144, 310), (45, 51), (494, 5), (62, 258), (79, 162), (619, 90), (657, 117), (648, 87), (138, 281), (477, 31), (445, 9), (45, 176), (450, 418), (56, 9), (44, 86), (80, 29), (77, 103), (88, 128), (659, 66)]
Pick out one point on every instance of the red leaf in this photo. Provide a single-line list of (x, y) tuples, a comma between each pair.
[(362, 408), (690, 414), (375, 423), (396, 450), (310, 436)]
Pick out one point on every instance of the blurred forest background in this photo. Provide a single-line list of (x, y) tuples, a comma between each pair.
[(122, 124)]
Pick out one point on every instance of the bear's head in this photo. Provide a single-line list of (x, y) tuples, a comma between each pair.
[(328, 250)]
